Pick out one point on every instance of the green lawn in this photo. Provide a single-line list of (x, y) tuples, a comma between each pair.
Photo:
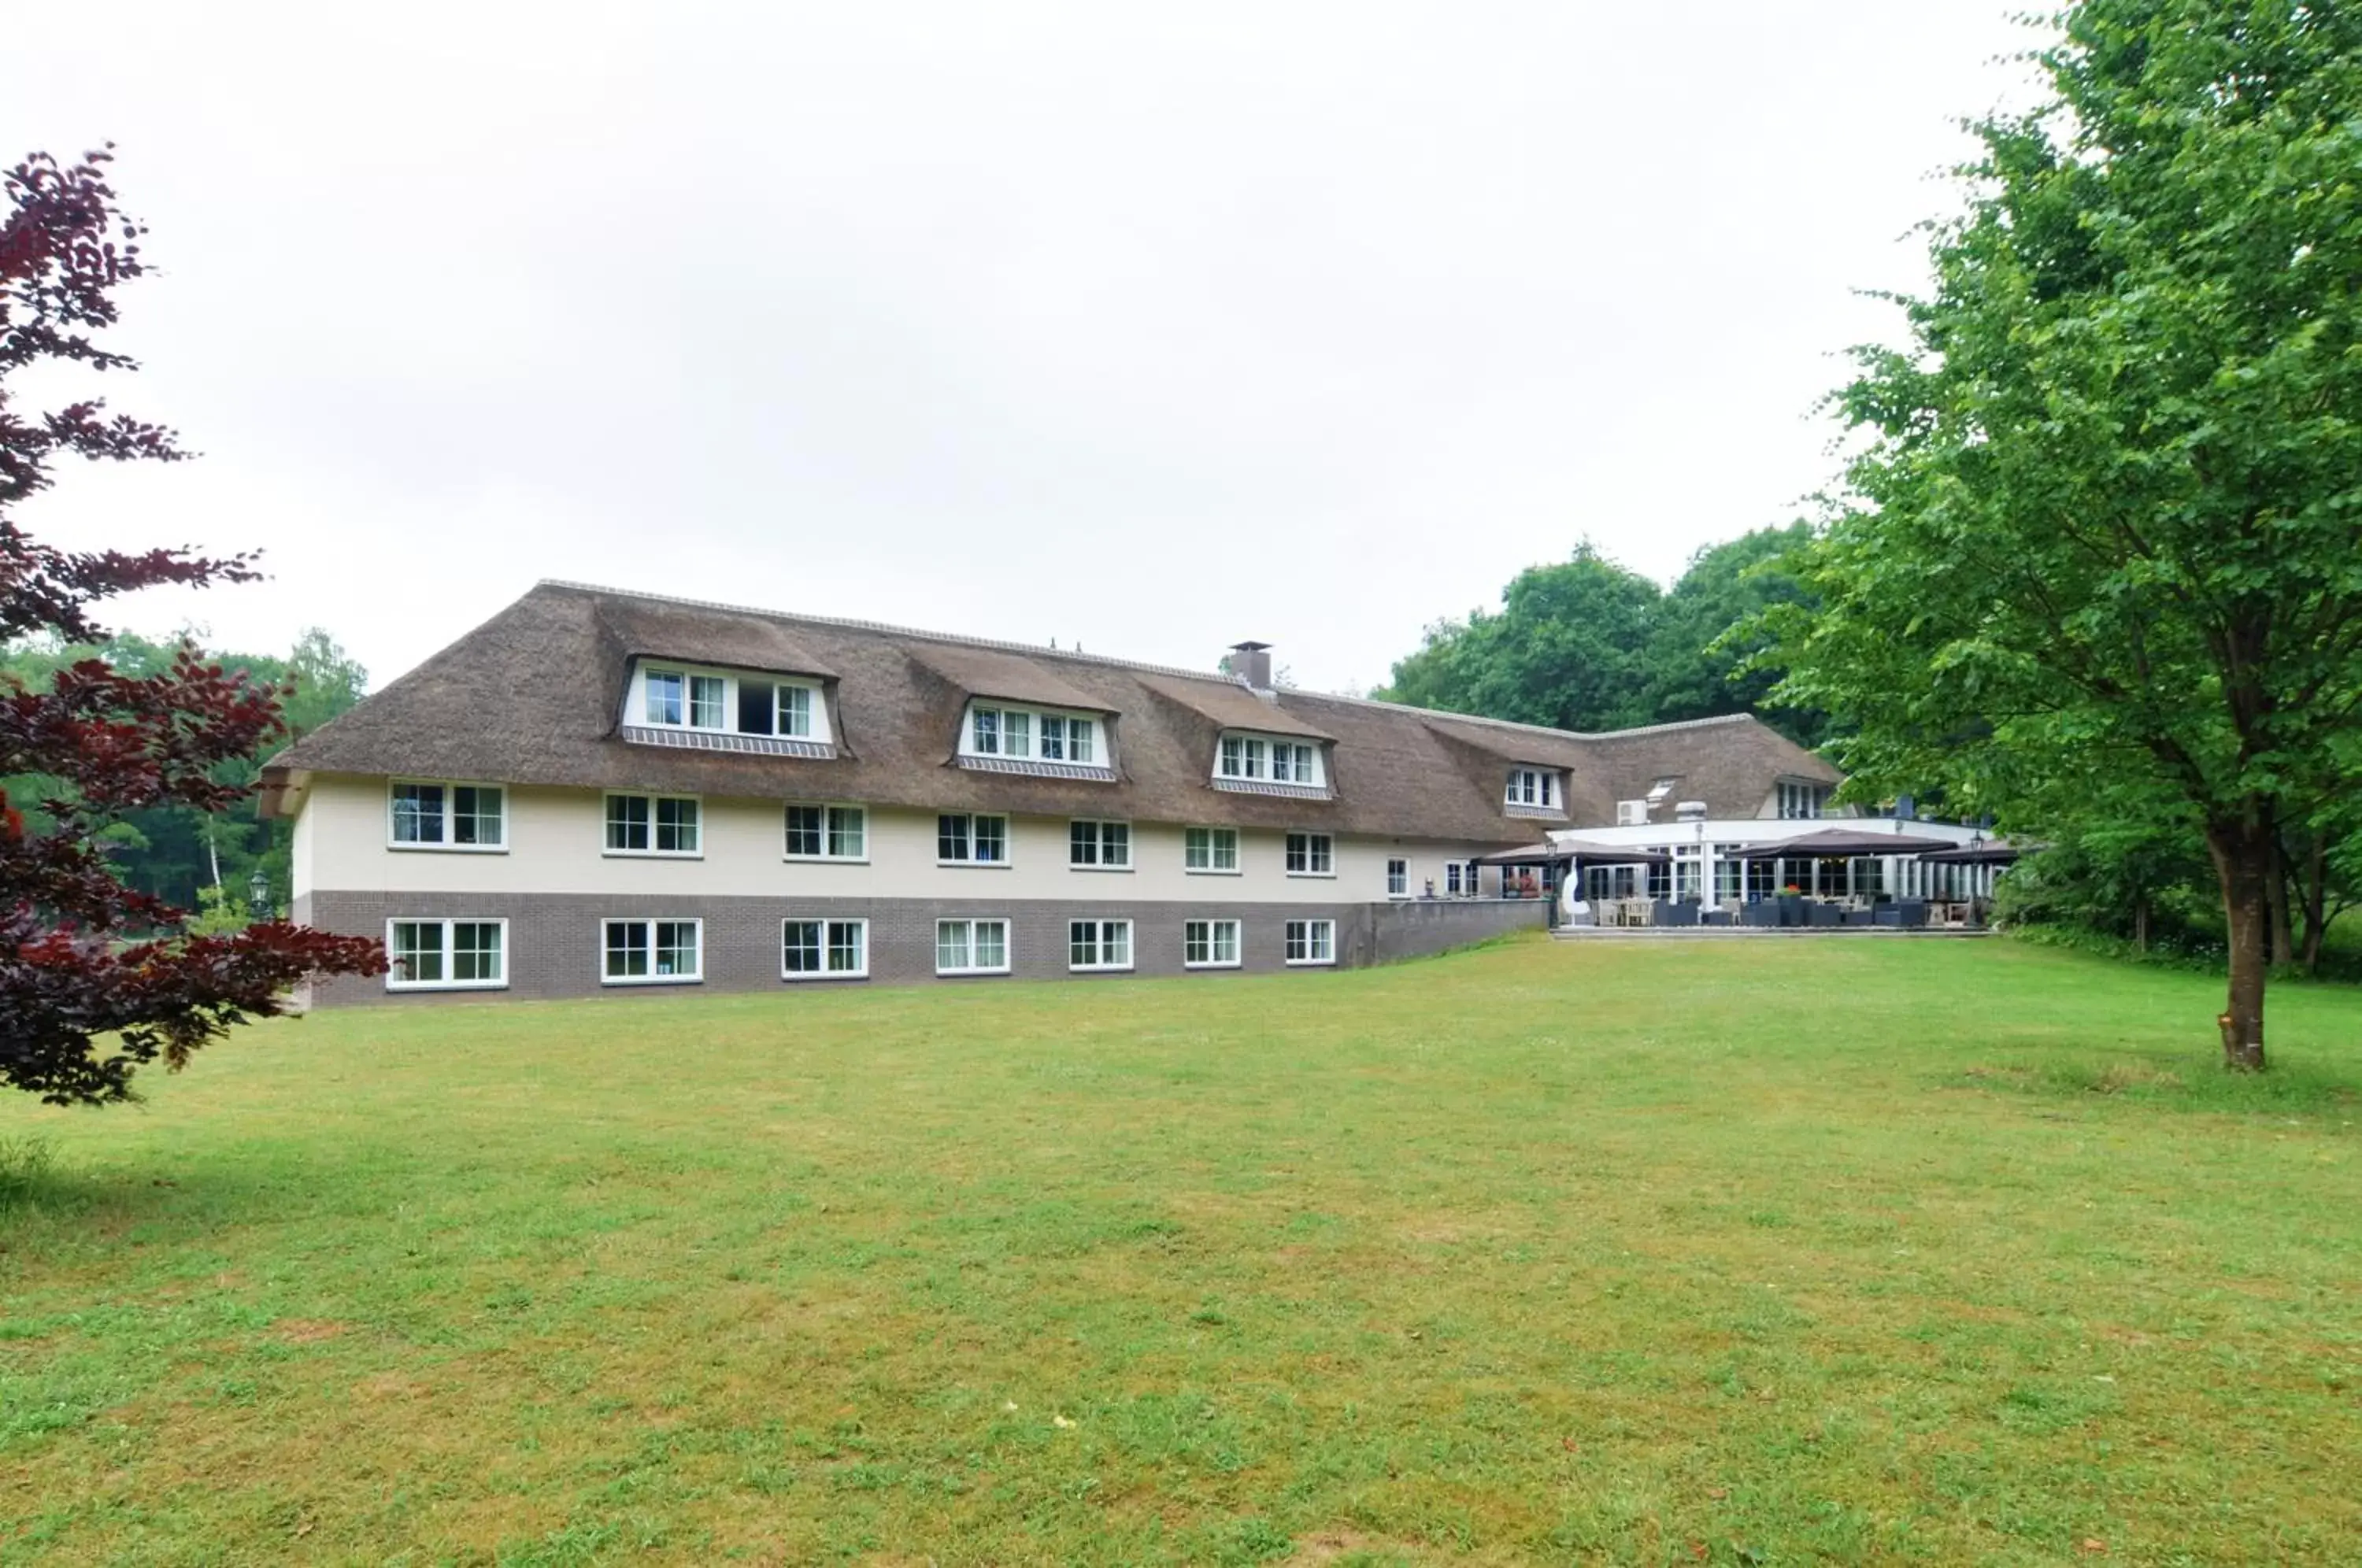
[(1766, 1252)]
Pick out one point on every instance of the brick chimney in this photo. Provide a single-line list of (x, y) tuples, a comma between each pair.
[(1251, 662)]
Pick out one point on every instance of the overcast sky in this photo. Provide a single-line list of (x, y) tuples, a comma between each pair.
[(1149, 328)]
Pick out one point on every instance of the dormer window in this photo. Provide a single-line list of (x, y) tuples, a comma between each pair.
[(1032, 735), (666, 695), (1269, 759), (1797, 800), (1532, 787)]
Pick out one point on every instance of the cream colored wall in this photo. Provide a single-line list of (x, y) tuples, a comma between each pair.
[(556, 839)]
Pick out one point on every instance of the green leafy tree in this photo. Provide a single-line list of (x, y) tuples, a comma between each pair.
[(2108, 518), (1701, 652), (1568, 647), (177, 852)]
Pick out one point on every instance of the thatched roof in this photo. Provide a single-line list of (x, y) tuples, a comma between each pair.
[(532, 697)]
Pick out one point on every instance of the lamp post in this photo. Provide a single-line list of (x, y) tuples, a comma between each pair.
[(257, 901)]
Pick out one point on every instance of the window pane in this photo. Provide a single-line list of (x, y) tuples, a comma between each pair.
[(754, 707), (1115, 844), (848, 940), (663, 706), (675, 947), (1295, 939), (627, 822), (677, 822), (951, 944), (1083, 843), (795, 710), (800, 947), (1054, 738), (992, 839), (1323, 853), (1226, 942), (1324, 939), (1197, 849), (705, 692), (418, 813), (417, 950), (463, 813), (992, 944), (627, 948), (1016, 734), (1082, 943), (1226, 849), (1255, 759), (847, 832), (951, 838), (986, 730), (476, 950), (1115, 943), (1079, 742), (804, 830)]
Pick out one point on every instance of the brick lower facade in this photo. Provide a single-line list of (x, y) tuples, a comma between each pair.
[(554, 940)]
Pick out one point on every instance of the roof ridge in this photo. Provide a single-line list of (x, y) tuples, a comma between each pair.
[(1536, 729), (1104, 660), (856, 624)]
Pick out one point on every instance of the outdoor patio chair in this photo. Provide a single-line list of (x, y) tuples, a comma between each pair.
[(1821, 914)]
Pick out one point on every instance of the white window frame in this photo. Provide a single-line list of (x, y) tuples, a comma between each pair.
[(609, 852), (651, 977), (1024, 740), (1397, 877), (1535, 786), (1238, 945), (1800, 802), (1325, 928), (828, 811), (1213, 846), (1246, 755), (1317, 847), (450, 812), (1100, 843), (1007, 839), (636, 700), (508, 956), (1101, 930), (1008, 954), (1295, 762), (827, 924)]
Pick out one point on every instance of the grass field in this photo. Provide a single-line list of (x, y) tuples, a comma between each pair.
[(1764, 1252)]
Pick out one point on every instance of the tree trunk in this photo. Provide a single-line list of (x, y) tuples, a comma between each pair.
[(2316, 901), (2275, 891), (2245, 861), (2140, 923)]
